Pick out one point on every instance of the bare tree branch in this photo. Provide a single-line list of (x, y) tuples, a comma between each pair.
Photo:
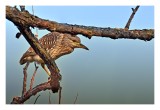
[(34, 91), (25, 79), (27, 19), (24, 20), (33, 76), (131, 17)]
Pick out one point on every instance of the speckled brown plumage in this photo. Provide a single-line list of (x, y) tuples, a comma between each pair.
[(56, 44)]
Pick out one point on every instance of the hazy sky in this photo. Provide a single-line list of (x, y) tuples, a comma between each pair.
[(111, 72)]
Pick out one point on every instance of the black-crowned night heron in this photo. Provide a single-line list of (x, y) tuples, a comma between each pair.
[(56, 44)]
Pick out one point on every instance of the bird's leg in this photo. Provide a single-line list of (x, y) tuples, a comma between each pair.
[(45, 68), (48, 72)]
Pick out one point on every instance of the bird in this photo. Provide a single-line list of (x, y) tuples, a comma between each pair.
[(56, 44)]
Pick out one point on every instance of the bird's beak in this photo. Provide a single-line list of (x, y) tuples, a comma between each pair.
[(83, 46)]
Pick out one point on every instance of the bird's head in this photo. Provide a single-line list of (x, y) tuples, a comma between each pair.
[(74, 42)]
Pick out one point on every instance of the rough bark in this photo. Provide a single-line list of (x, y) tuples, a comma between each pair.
[(27, 19), (24, 79)]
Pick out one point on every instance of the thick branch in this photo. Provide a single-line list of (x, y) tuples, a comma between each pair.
[(27, 19)]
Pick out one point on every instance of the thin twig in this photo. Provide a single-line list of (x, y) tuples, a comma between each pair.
[(49, 98), (25, 79), (60, 95), (36, 99), (33, 76), (76, 98), (131, 17)]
